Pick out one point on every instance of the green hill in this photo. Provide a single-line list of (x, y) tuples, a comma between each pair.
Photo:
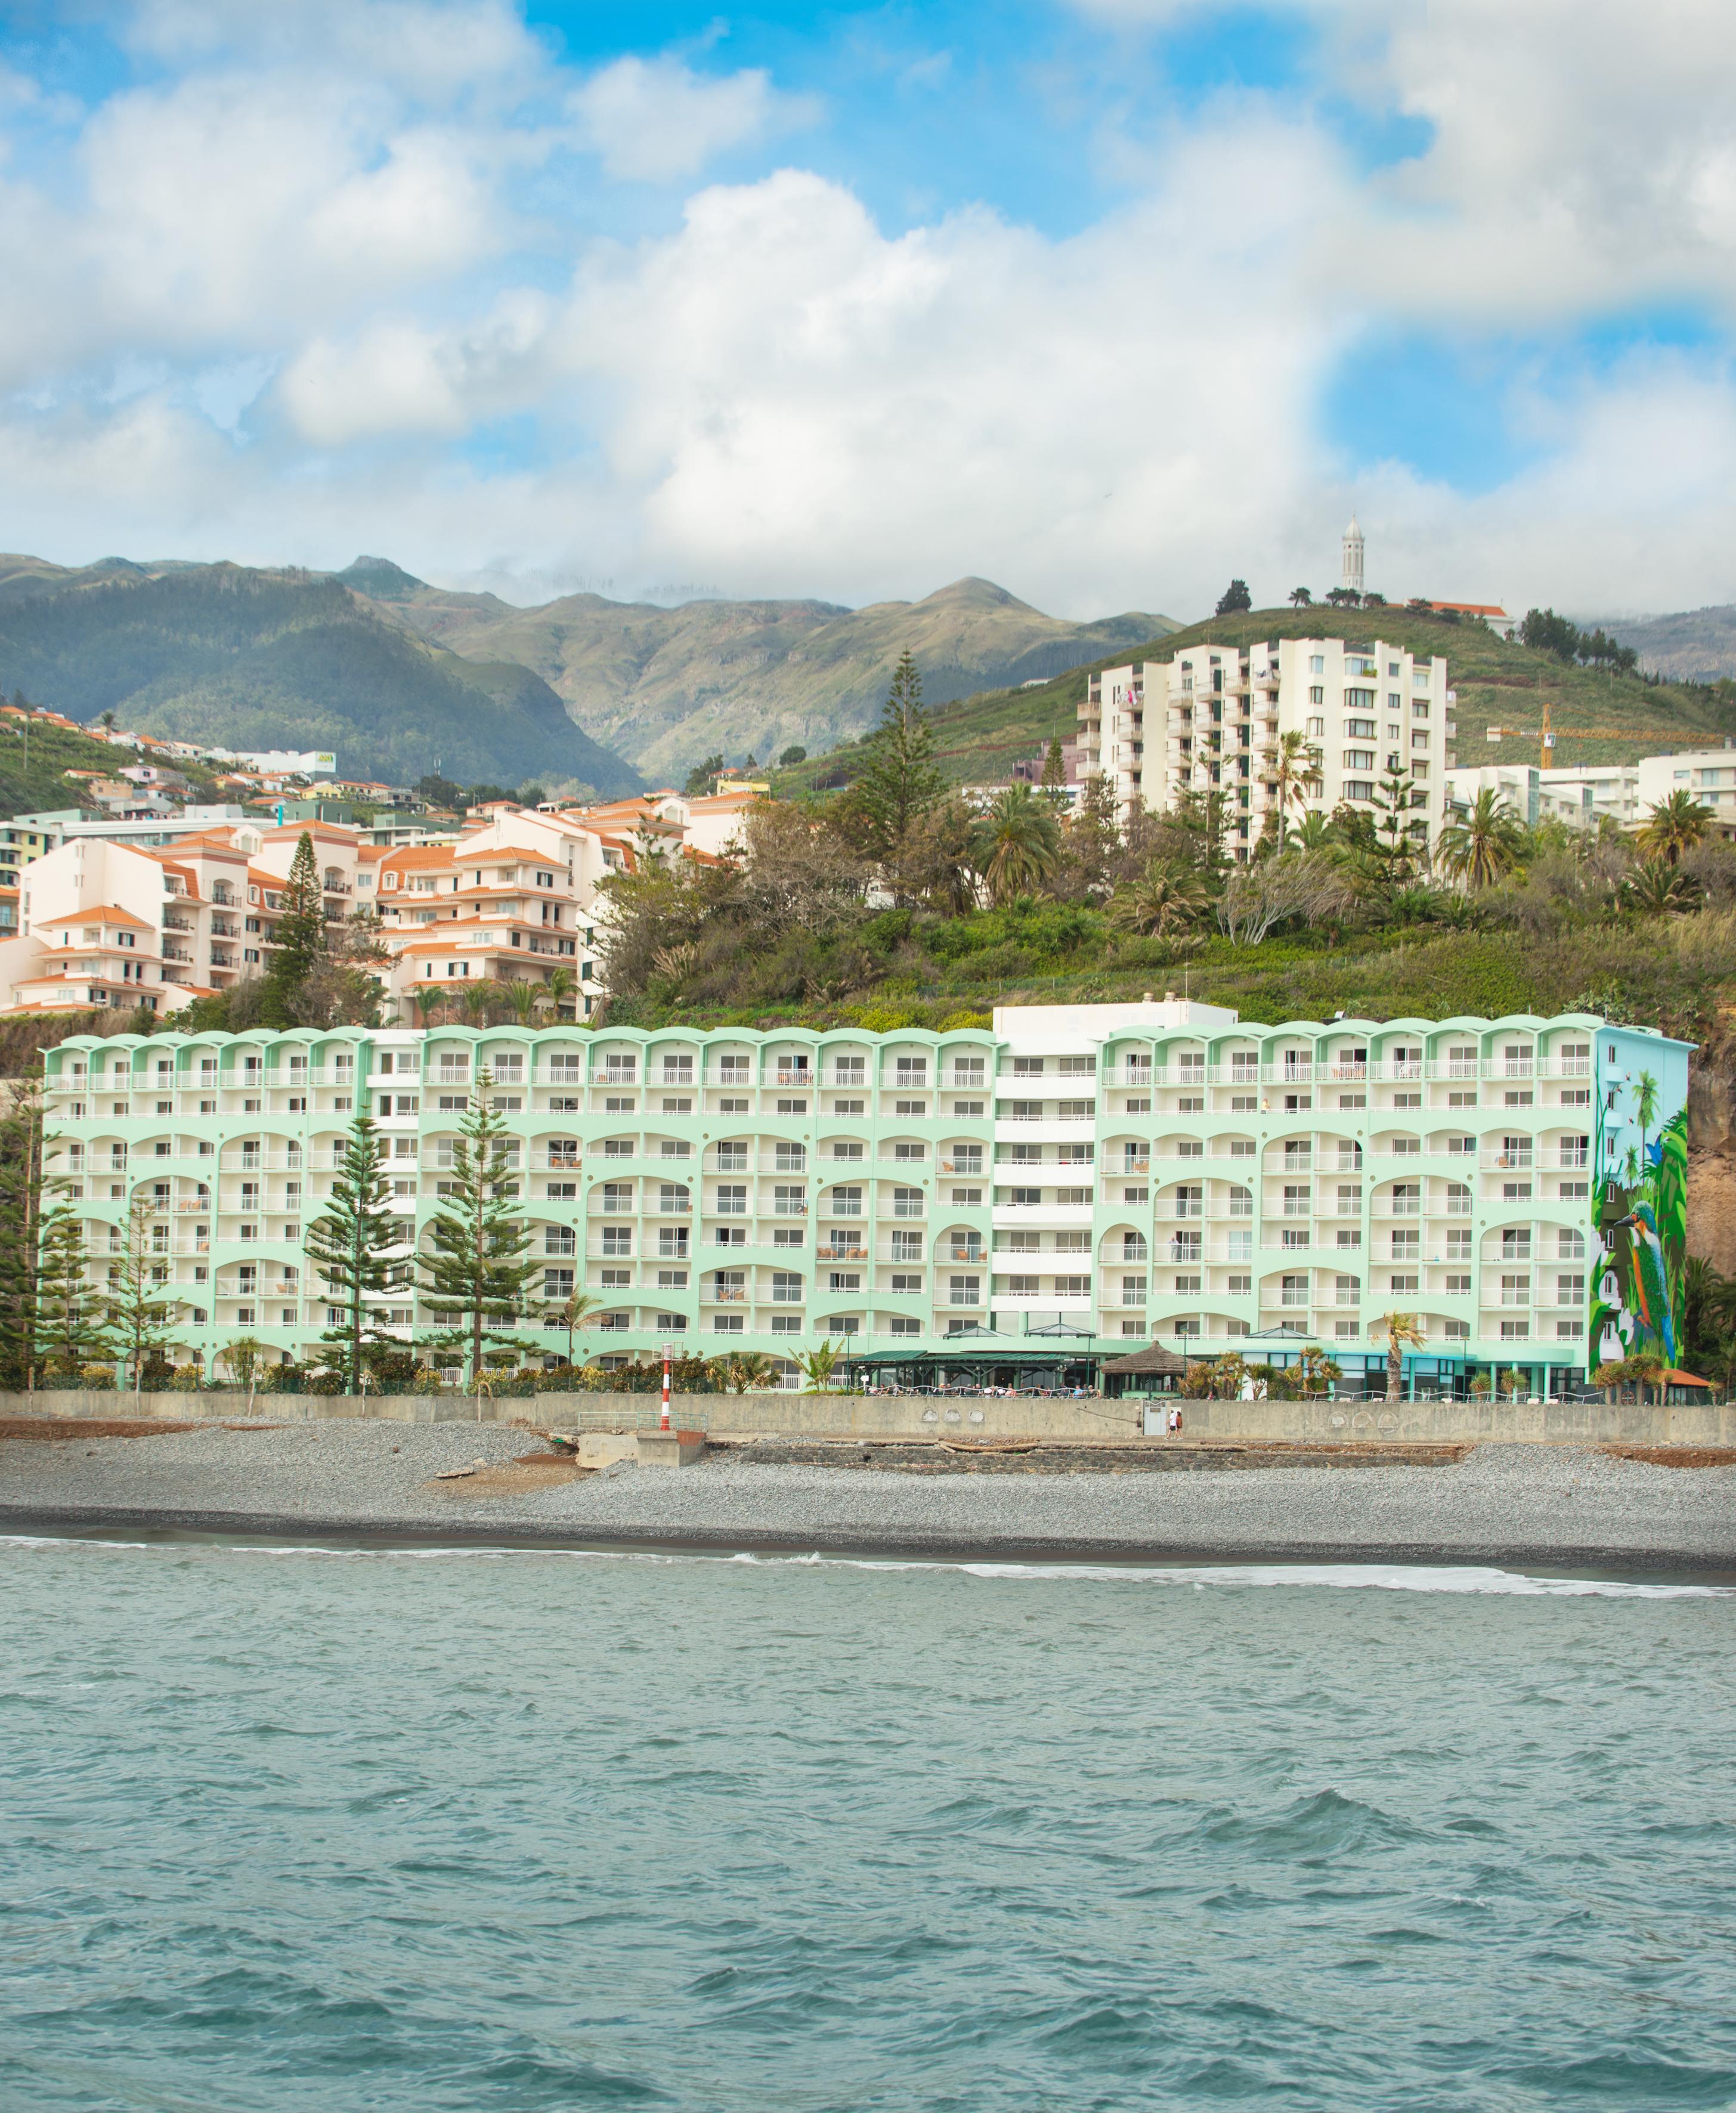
[(668, 686), (1497, 684), (32, 773), (253, 660)]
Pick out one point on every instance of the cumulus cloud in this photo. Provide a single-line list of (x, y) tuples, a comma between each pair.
[(653, 120), (279, 300)]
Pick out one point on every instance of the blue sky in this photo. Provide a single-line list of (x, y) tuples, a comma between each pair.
[(1105, 300)]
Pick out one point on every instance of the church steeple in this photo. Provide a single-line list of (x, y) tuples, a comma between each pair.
[(1353, 558)]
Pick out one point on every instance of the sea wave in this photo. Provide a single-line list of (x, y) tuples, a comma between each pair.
[(1463, 1578)]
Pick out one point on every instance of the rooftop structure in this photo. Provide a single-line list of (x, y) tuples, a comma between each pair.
[(1072, 1183)]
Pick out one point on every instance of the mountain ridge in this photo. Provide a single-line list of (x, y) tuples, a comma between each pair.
[(660, 685), (242, 658), (666, 685)]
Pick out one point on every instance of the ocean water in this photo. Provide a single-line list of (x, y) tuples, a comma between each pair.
[(317, 1830)]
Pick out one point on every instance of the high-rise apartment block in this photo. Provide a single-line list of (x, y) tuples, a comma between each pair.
[(1074, 1182), (1211, 719)]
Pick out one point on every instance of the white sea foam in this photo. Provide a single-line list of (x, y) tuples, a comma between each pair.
[(1383, 1576), (1342, 1577)]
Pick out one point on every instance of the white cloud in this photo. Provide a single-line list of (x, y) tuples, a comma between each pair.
[(273, 306), (656, 119), (434, 49)]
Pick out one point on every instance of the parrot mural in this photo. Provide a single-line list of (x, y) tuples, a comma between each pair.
[(1649, 1278), (1641, 1222)]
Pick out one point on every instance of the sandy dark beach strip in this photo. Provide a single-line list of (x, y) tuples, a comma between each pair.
[(1509, 1505)]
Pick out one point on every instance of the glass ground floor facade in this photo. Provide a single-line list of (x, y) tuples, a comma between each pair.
[(1043, 1195)]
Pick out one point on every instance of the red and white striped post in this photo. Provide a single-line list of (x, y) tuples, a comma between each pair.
[(668, 1351)]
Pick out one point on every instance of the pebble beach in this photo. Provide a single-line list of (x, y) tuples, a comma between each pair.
[(1552, 1506)]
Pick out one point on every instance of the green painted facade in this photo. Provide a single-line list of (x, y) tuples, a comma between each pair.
[(1094, 1177)]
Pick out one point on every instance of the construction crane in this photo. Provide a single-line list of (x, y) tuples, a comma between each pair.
[(1549, 732)]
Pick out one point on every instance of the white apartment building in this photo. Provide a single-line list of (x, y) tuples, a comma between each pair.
[(1709, 774), (1208, 718), (1516, 785), (155, 926), (1587, 793)]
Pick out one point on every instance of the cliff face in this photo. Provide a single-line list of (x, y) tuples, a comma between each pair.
[(1711, 1148)]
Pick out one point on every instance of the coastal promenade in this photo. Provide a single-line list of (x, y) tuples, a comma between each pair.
[(841, 1416), (1511, 1505)]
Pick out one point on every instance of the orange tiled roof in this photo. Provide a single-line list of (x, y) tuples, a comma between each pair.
[(417, 858), (109, 913)]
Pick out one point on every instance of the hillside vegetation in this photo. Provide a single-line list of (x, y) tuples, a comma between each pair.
[(32, 773), (1498, 684), (1693, 645), (248, 659), (893, 900)]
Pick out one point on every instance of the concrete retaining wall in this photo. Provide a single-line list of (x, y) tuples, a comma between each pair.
[(861, 1416)]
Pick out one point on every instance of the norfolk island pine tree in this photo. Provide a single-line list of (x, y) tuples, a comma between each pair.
[(347, 1244), (477, 1273)]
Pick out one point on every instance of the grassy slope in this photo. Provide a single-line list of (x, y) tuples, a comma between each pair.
[(1677, 976), (249, 659), (53, 752), (1497, 684)]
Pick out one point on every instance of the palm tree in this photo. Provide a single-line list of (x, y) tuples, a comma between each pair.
[(576, 1310), (1402, 1332), (557, 988), (1484, 844), (1657, 889), (1301, 598), (522, 997), (817, 1367), (477, 998), (427, 1001), (1313, 832), (1292, 768), (1645, 1106), (1165, 899), (1019, 844), (744, 1370), (1674, 826)]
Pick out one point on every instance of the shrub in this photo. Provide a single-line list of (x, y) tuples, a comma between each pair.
[(188, 1379), (98, 1375), (427, 1380)]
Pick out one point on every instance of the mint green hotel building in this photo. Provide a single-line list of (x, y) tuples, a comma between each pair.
[(1021, 1204)]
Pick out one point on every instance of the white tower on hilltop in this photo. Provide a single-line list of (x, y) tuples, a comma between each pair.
[(1353, 555)]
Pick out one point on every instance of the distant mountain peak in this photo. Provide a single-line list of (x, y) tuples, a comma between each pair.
[(973, 592), (380, 580)]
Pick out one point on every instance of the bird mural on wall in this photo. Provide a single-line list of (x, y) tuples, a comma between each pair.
[(1651, 1283)]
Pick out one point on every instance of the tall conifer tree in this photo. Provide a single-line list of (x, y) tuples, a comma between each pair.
[(300, 938), (347, 1244), (900, 781), (477, 1274), (23, 1182), (69, 1309), (139, 1314)]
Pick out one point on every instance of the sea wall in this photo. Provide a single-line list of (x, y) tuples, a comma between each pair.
[(888, 1415)]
